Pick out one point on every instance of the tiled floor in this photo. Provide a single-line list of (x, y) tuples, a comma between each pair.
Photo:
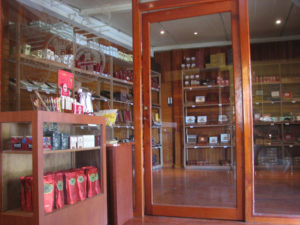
[(151, 220)]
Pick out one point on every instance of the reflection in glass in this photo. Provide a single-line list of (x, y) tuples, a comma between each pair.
[(193, 125)]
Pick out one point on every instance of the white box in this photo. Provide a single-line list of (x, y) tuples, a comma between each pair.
[(73, 142), (201, 119), (213, 140), (225, 138), (79, 141), (88, 141)]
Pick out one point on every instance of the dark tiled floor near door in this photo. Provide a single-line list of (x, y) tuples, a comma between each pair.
[(154, 220)]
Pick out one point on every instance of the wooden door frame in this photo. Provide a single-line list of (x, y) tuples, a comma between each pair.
[(199, 9)]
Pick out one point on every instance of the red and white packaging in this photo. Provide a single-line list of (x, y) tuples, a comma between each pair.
[(49, 181), (59, 190), (77, 108), (71, 187), (47, 143)]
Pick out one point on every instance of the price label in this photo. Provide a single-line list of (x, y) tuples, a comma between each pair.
[(191, 126)]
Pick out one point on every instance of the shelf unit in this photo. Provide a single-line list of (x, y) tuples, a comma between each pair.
[(157, 146), (20, 34), (38, 162), (276, 125), (219, 100)]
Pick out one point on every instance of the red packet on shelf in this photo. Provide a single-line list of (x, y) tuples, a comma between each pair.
[(59, 190), (49, 192), (71, 187), (65, 81)]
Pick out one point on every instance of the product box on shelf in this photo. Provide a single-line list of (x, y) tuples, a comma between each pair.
[(201, 119), (213, 140), (190, 119), (222, 118), (225, 138), (191, 139), (79, 141), (200, 99), (287, 95), (88, 141), (47, 143), (73, 142), (16, 142)]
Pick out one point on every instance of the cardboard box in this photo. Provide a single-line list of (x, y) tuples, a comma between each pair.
[(73, 142), (79, 141), (88, 141)]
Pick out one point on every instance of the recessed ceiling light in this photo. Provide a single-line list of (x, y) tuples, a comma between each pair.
[(278, 21), (195, 33), (162, 32)]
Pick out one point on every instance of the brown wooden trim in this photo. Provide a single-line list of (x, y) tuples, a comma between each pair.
[(137, 110), (147, 114), (164, 4), (195, 212), (187, 12), (1, 28), (172, 14), (238, 112), (247, 105)]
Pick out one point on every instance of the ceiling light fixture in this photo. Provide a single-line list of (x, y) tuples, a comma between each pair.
[(195, 33), (162, 32), (278, 21)]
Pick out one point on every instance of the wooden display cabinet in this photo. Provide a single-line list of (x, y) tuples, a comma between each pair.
[(276, 105), (37, 162), (209, 133)]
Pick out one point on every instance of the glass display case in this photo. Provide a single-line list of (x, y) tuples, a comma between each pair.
[(208, 107), (53, 168)]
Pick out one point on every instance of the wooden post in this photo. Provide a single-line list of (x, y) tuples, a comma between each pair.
[(137, 110)]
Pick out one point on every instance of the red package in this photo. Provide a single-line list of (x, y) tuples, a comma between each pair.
[(93, 181), (28, 193), (49, 192), (71, 187), (27, 143), (59, 190), (81, 184), (23, 200), (16, 142)]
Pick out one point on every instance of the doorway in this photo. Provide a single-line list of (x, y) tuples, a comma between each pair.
[(192, 112)]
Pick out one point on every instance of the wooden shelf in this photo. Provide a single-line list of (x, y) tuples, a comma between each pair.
[(207, 146), (215, 167), (277, 123), (204, 87), (208, 125), (17, 212), (23, 152), (52, 151), (71, 150), (290, 145), (195, 105)]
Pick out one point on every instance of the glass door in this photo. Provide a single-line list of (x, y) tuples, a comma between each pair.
[(192, 131)]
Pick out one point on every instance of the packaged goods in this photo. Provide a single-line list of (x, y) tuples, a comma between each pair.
[(59, 190), (49, 192), (71, 187)]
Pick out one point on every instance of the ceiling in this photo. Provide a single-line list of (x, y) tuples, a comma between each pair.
[(212, 29)]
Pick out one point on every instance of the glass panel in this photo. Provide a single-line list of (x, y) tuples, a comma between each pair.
[(193, 128), (275, 90), (16, 147), (72, 164)]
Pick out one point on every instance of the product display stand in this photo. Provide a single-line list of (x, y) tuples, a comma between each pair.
[(39, 162)]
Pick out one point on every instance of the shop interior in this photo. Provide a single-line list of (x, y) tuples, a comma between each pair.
[(196, 113)]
